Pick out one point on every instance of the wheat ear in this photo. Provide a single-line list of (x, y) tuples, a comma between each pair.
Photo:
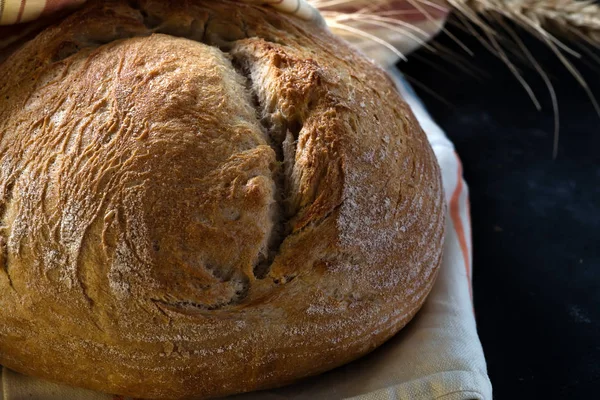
[(575, 18), (547, 20)]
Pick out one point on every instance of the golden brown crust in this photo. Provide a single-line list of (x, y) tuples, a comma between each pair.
[(205, 198)]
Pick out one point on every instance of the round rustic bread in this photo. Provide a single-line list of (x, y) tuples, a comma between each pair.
[(200, 198)]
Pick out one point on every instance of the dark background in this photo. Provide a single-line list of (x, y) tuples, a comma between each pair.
[(536, 220)]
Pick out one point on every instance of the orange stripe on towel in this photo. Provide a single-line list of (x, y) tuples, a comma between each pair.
[(458, 224), (21, 10)]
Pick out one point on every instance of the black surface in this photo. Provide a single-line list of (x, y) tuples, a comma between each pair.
[(536, 221)]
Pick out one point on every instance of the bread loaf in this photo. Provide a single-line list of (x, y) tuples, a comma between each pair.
[(201, 198)]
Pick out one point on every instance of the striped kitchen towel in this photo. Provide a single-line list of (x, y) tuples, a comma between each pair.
[(18, 11), (438, 355)]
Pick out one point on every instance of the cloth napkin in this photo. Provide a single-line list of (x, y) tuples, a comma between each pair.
[(438, 355)]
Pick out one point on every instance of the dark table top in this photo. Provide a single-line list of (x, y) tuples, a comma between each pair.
[(536, 220)]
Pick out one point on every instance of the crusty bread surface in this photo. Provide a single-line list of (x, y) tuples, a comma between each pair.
[(201, 198)]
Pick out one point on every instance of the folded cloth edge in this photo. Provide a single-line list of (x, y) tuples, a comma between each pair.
[(457, 196)]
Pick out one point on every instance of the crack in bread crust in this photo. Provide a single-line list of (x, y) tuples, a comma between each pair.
[(279, 133), (5, 200), (209, 198)]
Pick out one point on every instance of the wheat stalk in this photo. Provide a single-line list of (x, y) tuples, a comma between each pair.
[(578, 19), (547, 20)]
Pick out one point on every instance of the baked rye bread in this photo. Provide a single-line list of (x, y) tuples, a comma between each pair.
[(201, 198)]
